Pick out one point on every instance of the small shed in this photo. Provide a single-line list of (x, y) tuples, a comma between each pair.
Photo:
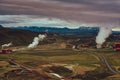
[(117, 46)]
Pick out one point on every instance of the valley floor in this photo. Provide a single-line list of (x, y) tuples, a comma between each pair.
[(55, 64)]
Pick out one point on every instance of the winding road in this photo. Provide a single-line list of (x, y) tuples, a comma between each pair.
[(105, 61)]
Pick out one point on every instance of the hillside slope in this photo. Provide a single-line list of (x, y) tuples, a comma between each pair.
[(17, 37)]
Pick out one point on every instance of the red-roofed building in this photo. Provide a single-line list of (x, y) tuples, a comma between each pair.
[(6, 51), (117, 46)]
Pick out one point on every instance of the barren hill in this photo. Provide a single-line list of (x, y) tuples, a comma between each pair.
[(17, 37)]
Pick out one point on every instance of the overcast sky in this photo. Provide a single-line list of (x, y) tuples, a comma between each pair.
[(60, 13)]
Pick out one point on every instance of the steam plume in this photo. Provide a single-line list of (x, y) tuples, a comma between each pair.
[(36, 41), (6, 45), (104, 33)]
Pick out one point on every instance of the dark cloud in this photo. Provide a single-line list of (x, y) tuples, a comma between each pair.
[(84, 11), (100, 5)]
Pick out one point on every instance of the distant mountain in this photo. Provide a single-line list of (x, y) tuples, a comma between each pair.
[(64, 31), (116, 32)]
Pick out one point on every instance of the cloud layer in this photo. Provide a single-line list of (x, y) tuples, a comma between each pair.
[(81, 11)]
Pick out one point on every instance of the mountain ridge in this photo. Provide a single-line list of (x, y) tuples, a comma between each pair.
[(24, 36), (65, 31)]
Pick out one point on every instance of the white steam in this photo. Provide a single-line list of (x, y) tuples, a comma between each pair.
[(36, 41), (104, 33), (6, 45)]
